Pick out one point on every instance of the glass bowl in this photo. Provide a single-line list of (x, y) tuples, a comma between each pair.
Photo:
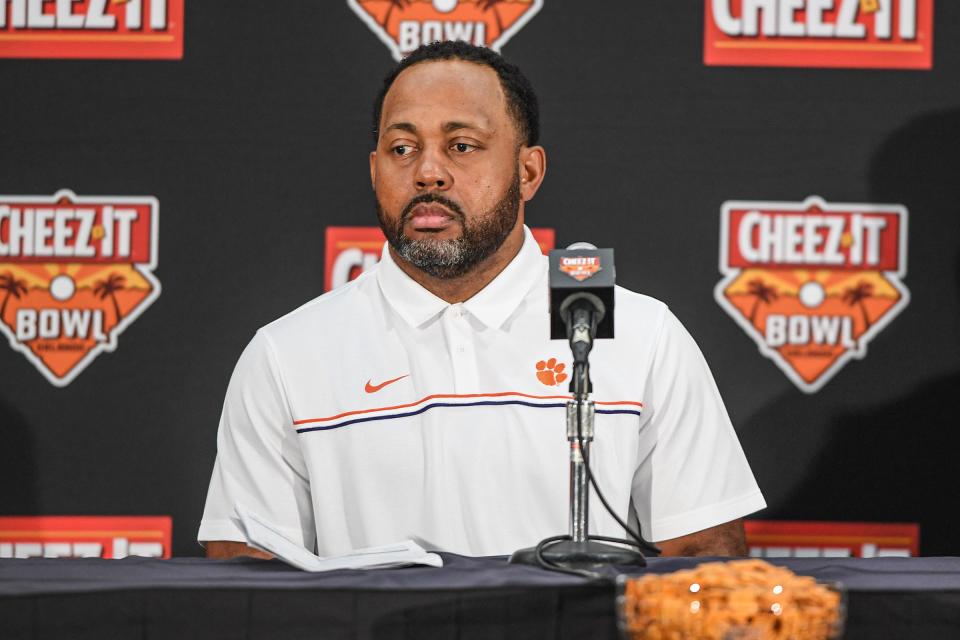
[(738, 600)]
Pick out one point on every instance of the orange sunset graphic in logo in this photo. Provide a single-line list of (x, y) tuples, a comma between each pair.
[(836, 308), (403, 25)]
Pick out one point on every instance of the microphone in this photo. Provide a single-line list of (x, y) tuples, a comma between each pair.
[(581, 310), (581, 296)]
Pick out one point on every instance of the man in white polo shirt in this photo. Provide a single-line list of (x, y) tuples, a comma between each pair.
[(425, 399)]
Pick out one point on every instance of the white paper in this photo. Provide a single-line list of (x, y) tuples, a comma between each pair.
[(262, 535)]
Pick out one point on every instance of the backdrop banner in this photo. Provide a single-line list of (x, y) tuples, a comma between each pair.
[(782, 174)]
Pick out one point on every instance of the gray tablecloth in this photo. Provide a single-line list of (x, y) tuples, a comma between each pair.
[(468, 597)]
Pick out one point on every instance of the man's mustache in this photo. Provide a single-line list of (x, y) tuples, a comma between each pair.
[(424, 198)]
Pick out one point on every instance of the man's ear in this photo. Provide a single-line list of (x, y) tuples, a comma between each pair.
[(373, 169), (533, 168)]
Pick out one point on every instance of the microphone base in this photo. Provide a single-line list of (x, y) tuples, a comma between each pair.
[(589, 554)]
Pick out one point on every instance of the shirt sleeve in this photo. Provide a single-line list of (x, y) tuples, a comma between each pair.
[(259, 463), (694, 475)]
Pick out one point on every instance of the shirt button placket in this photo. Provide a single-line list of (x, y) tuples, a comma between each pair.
[(462, 354)]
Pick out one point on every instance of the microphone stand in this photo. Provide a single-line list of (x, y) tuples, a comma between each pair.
[(579, 550)]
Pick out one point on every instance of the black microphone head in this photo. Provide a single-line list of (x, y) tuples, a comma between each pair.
[(583, 300), (581, 271)]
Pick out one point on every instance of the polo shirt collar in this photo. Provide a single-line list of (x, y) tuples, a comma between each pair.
[(492, 305)]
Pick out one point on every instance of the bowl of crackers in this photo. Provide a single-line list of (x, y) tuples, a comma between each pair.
[(736, 600)]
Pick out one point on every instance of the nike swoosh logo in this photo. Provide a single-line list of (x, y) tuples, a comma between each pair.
[(373, 388)]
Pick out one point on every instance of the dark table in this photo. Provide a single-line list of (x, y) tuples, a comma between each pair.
[(903, 598)]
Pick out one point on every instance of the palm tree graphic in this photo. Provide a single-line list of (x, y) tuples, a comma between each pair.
[(856, 295), (13, 286), (109, 287), (486, 5), (394, 4), (764, 294)]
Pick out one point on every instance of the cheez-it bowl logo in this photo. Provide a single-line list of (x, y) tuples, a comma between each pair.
[(580, 267), (75, 272), (812, 283), (403, 25)]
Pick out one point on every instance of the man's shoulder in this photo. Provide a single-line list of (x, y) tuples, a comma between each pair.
[(328, 312), (639, 306)]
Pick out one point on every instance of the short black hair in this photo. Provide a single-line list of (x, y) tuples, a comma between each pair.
[(521, 100)]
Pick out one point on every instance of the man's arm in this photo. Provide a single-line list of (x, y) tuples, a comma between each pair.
[(224, 549), (696, 475), (259, 464), (723, 540)]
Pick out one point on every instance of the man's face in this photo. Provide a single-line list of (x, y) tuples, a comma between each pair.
[(446, 170)]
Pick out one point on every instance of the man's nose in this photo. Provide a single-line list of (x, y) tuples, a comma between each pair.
[(432, 172)]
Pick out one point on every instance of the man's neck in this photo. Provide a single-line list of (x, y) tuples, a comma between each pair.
[(463, 288)]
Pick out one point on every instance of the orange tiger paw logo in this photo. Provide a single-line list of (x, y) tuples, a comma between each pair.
[(550, 372)]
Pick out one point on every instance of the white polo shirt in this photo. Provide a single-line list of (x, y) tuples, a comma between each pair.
[(379, 412)]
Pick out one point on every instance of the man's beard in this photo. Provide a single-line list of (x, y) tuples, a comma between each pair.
[(446, 259)]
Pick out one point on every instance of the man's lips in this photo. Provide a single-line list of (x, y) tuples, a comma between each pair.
[(430, 216)]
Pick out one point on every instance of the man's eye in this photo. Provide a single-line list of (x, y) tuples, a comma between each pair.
[(463, 147), (402, 150)]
